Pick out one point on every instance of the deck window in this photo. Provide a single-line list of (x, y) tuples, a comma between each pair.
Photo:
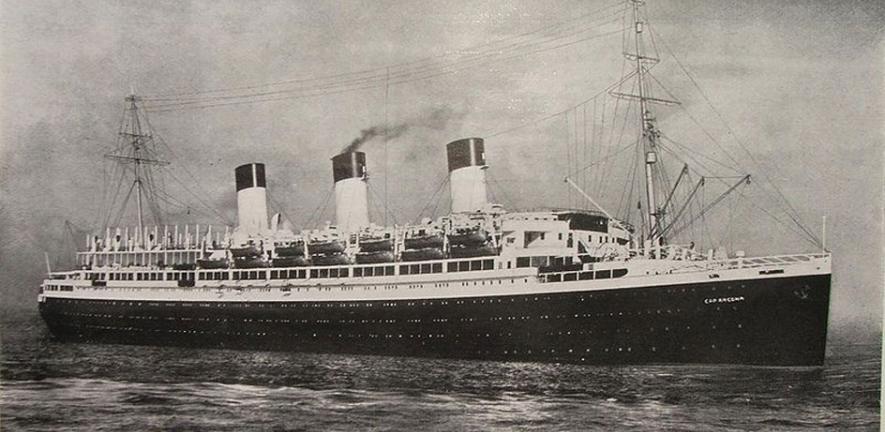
[(425, 268), (390, 270), (464, 266), (488, 264), (616, 273), (437, 268), (403, 269), (604, 274), (452, 267), (475, 265), (587, 275), (523, 262)]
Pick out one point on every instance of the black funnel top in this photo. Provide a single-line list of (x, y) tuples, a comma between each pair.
[(348, 165), (466, 152), (250, 175)]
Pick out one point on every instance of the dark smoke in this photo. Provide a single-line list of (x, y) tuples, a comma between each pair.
[(373, 132), (435, 118)]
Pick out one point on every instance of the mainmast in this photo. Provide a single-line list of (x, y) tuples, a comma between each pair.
[(649, 133)]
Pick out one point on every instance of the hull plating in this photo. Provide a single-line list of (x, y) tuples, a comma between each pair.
[(775, 321)]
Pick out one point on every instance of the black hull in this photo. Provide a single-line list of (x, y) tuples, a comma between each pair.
[(778, 322)]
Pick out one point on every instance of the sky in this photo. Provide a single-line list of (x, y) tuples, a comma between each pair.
[(790, 92)]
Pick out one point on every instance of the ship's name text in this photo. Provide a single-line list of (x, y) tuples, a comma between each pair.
[(724, 300)]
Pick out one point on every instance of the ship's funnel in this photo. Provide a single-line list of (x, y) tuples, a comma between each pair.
[(351, 204), (467, 176), (251, 198)]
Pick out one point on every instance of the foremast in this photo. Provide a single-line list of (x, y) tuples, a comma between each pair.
[(134, 148)]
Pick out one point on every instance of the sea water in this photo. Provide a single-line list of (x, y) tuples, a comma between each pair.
[(46, 385)]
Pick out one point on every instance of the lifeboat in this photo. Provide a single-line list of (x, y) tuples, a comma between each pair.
[(374, 257), (473, 237), (325, 247), (331, 259), (290, 261), (292, 250), (422, 254), (243, 252), (250, 262), (424, 241), (472, 251), (374, 244), (212, 263)]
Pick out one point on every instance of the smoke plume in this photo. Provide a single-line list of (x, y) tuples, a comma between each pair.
[(434, 118)]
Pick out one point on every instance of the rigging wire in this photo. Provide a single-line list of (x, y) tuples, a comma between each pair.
[(177, 107), (400, 74), (509, 202), (689, 150), (472, 50), (584, 148), (381, 80), (568, 156), (320, 210), (386, 207), (193, 178), (741, 194), (281, 209), (607, 167), (109, 208), (123, 207), (792, 213), (628, 188), (442, 184)]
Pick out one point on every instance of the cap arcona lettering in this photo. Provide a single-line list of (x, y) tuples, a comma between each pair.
[(724, 300)]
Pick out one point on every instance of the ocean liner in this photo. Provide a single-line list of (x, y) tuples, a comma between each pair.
[(555, 285)]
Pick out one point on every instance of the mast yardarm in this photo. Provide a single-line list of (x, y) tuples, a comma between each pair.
[(134, 149)]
